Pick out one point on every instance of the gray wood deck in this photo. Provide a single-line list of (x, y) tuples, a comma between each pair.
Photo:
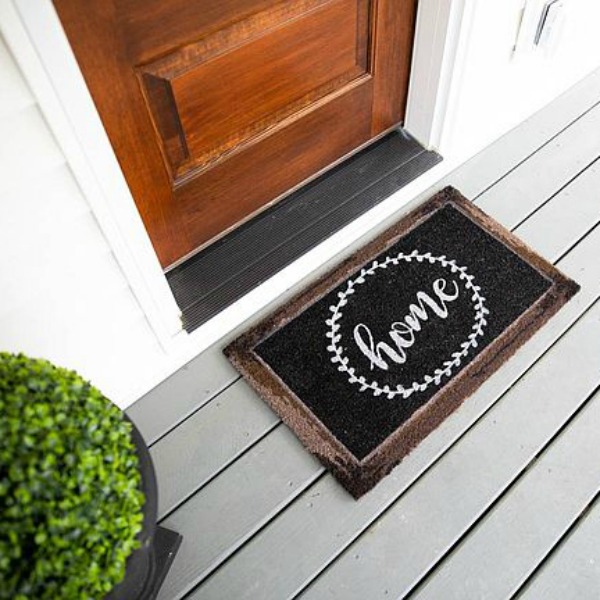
[(500, 501)]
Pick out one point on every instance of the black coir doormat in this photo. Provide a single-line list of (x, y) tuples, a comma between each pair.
[(368, 361)]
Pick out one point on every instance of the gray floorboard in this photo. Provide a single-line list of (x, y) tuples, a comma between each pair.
[(232, 508), (182, 393), (207, 442), (546, 172), (572, 571)]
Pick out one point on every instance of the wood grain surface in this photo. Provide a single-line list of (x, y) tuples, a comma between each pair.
[(217, 109)]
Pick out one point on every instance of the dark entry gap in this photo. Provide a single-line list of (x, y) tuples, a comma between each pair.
[(213, 279)]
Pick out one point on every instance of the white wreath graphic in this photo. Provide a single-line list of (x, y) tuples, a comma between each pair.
[(448, 365)]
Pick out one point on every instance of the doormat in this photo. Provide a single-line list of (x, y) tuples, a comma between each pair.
[(370, 359)]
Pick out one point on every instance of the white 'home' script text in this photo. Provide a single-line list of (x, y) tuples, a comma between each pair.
[(402, 333)]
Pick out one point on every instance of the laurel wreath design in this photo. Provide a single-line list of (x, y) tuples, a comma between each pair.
[(448, 366)]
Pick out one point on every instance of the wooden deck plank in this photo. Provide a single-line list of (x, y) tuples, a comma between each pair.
[(232, 507), (205, 376), (516, 196), (500, 554), (182, 393), (568, 215), (573, 571), (316, 527), (207, 442), (393, 554)]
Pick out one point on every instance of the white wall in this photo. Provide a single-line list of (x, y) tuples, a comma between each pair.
[(62, 294), (499, 87)]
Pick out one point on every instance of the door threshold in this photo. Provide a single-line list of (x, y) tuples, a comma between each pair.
[(216, 277)]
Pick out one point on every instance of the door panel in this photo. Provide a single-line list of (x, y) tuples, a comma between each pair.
[(258, 174), (154, 28), (216, 108), (221, 102)]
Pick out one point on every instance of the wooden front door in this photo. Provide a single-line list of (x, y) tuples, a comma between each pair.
[(216, 108)]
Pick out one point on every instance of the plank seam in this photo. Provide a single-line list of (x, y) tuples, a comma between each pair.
[(557, 192), (185, 417), (233, 549), (223, 467), (559, 543), (580, 240)]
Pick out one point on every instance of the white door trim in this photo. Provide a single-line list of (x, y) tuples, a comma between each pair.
[(441, 36), (35, 36)]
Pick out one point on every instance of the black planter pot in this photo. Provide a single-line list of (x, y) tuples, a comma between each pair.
[(148, 565)]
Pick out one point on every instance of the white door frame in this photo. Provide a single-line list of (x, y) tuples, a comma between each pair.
[(35, 36)]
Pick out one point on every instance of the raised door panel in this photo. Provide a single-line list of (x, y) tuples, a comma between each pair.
[(206, 104), (289, 156)]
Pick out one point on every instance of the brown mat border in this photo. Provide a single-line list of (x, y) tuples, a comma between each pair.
[(357, 476)]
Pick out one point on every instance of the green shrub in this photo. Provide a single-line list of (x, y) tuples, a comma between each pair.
[(70, 498)]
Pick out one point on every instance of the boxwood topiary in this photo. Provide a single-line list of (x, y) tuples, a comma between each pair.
[(70, 497)]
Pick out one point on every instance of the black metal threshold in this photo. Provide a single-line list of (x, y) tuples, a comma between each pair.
[(216, 277)]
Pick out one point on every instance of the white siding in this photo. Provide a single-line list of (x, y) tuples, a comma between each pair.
[(62, 294)]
